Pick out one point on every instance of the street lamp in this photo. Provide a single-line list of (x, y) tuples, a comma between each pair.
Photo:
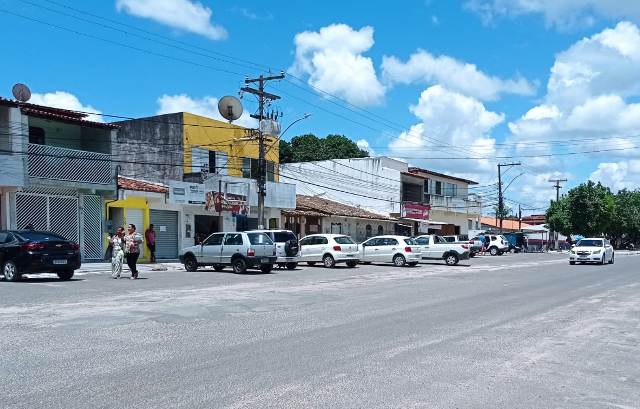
[(306, 115)]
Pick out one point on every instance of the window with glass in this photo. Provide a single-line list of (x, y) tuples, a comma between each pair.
[(259, 239), (213, 240), (344, 240), (438, 188), (450, 189), (234, 239)]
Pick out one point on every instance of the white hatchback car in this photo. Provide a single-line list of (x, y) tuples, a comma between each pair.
[(592, 250), (399, 250), (329, 249)]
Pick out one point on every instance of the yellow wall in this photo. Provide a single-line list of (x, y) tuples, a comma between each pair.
[(223, 137)]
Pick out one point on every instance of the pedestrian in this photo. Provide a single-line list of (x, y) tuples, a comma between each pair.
[(116, 242), (132, 241), (481, 238), (150, 238)]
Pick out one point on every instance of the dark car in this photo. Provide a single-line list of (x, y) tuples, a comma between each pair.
[(33, 252)]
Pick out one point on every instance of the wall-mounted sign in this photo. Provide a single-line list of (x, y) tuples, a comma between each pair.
[(227, 202), (186, 193), (410, 210)]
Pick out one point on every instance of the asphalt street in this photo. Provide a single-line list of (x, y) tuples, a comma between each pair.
[(516, 331)]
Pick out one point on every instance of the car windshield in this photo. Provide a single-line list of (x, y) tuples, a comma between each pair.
[(283, 236), (411, 242), (590, 243), (344, 240), (40, 236), (259, 239)]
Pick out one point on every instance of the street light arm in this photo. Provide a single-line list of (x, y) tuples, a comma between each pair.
[(307, 115)]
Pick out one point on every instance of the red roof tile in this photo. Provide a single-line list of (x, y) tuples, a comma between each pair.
[(318, 206), (141, 185)]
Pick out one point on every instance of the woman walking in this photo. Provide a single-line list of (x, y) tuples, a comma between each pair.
[(117, 252), (132, 241)]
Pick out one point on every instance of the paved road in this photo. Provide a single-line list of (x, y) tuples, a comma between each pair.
[(517, 331)]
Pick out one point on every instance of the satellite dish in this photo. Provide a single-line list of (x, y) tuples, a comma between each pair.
[(230, 108), (270, 127), (21, 92)]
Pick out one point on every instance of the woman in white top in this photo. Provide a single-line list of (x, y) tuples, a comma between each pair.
[(117, 255)]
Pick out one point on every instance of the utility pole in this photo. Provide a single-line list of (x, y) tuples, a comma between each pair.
[(263, 99), (519, 217), (558, 187), (500, 197)]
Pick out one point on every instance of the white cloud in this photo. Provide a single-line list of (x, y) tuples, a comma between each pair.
[(456, 75), (365, 146), (187, 15), (450, 118), (563, 14), (618, 175), (333, 61), (206, 106), (65, 100)]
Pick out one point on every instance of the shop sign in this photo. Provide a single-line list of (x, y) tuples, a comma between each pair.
[(412, 210), (227, 202)]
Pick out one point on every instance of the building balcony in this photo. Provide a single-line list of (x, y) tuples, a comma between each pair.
[(455, 204), (53, 163)]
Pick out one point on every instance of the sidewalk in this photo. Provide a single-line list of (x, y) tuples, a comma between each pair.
[(106, 267)]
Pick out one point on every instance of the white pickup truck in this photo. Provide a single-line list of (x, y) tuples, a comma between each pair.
[(436, 248)]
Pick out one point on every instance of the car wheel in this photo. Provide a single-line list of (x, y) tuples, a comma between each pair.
[(352, 264), (266, 268), (451, 259), (239, 266), (399, 260), (65, 275), (291, 266), (602, 262), (328, 261), (218, 268), (472, 255), (10, 271), (613, 256), (191, 264), (493, 251), (572, 263), (311, 263)]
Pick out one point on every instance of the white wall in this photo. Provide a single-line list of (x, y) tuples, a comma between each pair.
[(371, 183), (356, 228), (13, 128)]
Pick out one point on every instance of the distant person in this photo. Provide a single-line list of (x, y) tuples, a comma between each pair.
[(481, 238), (150, 237), (116, 242), (132, 241)]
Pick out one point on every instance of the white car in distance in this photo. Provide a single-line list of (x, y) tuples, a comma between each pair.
[(399, 250), (592, 250), (329, 249)]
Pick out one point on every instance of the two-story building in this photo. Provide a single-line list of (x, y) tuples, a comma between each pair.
[(209, 168), (56, 170), (422, 200)]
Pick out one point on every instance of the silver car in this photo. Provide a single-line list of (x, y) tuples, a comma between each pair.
[(238, 250)]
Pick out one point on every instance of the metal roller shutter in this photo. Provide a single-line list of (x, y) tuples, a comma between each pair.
[(165, 224)]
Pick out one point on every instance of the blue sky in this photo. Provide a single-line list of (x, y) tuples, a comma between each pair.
[(488, 77)]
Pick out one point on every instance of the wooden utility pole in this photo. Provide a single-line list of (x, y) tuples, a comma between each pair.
[(558, 187), (263, 99)]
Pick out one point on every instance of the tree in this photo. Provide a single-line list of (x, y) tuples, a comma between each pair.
[(557, 217), (306, 148), (591, 207), (506, 211)]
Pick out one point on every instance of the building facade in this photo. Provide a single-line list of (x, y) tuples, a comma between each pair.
[(423, 201), (57, 171)]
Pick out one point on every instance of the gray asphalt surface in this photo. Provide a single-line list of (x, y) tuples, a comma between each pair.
[(517, 331)]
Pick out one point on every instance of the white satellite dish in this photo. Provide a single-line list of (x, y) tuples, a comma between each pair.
[(21, 92), (270, 127), (230, 108)]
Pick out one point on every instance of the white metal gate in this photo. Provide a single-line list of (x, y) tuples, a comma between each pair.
[(165, 223), (58, 214), (92, 227)]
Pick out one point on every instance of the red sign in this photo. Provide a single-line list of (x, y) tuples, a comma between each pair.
[(236, 204), (415, 211)]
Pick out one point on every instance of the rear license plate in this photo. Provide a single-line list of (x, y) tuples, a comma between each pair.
[(59, 262), (264, 260)]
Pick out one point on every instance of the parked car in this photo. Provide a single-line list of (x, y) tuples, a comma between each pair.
[(329, 249), (515, 240), (33, 252), (287, 247), (241, 251), (399, 250), (475, 245), (498, 245), (434, 247), (592, 250)]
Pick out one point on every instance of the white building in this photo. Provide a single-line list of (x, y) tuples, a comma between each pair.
[(424, 200)]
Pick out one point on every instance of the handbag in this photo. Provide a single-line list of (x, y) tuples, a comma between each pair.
[(109, 253)]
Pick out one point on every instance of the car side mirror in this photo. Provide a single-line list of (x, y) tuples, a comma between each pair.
[(573, 245)]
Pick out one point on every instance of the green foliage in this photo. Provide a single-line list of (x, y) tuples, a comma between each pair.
[(306, 148), (506, 211), (591, 209)]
